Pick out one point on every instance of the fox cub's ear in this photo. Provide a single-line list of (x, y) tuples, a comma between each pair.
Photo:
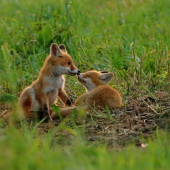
[(106, 77), (55, 51), (62, 48)]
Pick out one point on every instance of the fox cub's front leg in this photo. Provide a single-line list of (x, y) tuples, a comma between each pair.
[(45, 102), (64, 97)]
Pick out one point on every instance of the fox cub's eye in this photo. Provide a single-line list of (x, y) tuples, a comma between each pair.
[(69, 63), (89, 76)]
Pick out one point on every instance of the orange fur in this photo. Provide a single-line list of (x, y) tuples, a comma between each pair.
[(42, 93), (99, 94)]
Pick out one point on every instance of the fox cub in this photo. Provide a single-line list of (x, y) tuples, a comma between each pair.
[(99, 93), (49, 85)]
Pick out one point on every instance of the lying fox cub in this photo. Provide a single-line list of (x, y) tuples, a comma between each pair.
[(99, 94), (49, 85)]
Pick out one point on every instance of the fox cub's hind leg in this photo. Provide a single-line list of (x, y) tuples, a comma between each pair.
[(26, 101)]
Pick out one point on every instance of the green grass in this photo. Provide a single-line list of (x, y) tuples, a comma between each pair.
[(28, 151), (128, 37)]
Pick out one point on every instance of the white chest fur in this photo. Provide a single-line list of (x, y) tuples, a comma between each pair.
[(54, 83)]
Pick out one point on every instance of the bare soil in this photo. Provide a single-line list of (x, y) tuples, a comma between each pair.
[(132, 123)]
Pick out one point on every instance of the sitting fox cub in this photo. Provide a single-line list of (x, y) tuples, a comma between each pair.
[(99, 94), (49, 85)]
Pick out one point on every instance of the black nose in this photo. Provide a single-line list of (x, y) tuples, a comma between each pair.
[(78, 72)]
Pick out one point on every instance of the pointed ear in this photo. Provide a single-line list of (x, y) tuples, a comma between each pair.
[(55, 51), (63, 48), (106, 77)]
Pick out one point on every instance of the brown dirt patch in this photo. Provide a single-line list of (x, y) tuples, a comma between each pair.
[(139, 118)]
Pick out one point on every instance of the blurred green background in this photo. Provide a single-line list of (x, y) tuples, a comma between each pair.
[(127, 37)]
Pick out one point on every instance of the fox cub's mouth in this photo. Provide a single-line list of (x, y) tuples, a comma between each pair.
[(81, 80), (72, 74)]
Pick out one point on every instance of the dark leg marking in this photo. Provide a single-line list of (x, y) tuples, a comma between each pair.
[(68, 102)]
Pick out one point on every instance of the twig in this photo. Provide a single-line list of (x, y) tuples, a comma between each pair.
[(92, 119), (3, 113), (150, 107), (93, 109), (132, 129)]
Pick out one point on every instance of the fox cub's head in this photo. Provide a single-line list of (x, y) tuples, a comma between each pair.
[(91, 79), (61, 62)]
